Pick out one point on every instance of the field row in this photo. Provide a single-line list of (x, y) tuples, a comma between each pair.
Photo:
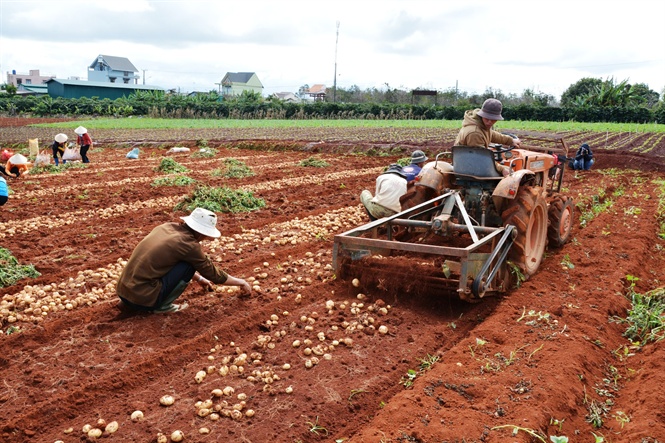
[(10, 228)]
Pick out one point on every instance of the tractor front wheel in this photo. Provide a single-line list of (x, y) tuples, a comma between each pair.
[(528, 213), (560, 215)]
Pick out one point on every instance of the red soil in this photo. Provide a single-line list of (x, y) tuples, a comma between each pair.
[(546, 357)]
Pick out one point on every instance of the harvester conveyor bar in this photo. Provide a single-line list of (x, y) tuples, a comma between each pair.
[(452, 226), (351, 242)]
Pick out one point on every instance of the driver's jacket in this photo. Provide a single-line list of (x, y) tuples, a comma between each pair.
[(474, 132)]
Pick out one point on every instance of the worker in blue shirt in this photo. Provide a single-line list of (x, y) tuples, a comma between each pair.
[(418, 159), (4, 191)]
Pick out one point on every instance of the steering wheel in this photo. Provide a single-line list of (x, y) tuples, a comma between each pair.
[(499, 149)]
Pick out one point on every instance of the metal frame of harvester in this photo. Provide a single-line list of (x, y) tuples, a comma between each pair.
[(476, 267)]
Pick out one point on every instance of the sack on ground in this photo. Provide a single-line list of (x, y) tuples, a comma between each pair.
[(71, 153), (133, 154), (4, 155), (33, 144), (43, 158), (177, 149)]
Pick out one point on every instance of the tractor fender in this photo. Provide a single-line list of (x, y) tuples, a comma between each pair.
[(508, 187), (435, 175)]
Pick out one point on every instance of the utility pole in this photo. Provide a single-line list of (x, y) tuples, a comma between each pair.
[(144, 76), (335, 79)]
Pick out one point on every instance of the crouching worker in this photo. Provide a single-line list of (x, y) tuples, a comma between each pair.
[(390, 186), (583, 158), (15, 166), (166, 260)]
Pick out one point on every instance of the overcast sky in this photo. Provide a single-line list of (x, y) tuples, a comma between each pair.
[(508, 45)]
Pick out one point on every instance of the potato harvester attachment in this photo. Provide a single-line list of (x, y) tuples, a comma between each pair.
[(465, 228)]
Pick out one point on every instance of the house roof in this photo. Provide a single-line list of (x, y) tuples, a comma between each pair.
[(317, 89), (104, 84), (238, 77), (286, 96), (115, 63), (33, 88)]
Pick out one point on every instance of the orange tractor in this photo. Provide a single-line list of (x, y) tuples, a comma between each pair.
[(464, 226)]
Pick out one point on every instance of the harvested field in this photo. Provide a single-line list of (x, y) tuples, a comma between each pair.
[(544, 358)]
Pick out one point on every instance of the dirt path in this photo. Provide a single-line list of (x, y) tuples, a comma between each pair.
[(543, 358)]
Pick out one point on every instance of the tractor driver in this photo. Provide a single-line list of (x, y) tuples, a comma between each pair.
[(477, 129)]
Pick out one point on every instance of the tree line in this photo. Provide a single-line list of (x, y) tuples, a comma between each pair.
[(588, 100)]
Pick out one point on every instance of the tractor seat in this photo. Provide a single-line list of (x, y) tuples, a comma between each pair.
[(476, 162)]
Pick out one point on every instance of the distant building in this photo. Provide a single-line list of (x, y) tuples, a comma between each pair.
[(234, 83), (27, 79), (81, 88), (317, 92), (288, 97), (24, 89), (107, 68)]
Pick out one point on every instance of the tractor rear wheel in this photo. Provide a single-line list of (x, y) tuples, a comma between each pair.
[(528, 213), (560, 214)]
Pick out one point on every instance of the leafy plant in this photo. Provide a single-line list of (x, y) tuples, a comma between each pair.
[(534, 317), (599, 203), (12, 329), (48, 169), (597, 410), (566, 263), (314, 163), (557, 423), (516, 429), (204, 152), (11, 271), (73, 165), (355, 392), (646, 317), (622, 418), (479, 344), (427, 362), (222, 199), (170, 166), (516, 272), (409, 378), (660, 212), (316, 428), (425, 365), (179, 180), (234, 169)]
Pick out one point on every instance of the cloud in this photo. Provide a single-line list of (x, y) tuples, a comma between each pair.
[(472, 45)]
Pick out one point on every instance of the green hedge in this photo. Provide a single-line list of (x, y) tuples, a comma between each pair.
[(175, 106)]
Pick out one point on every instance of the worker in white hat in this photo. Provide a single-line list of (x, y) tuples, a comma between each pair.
[(84, 140), (16, 165), (58, 147), (166, 260)]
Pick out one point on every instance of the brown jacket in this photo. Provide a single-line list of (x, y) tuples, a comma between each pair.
[(156, 255), (474, 132)]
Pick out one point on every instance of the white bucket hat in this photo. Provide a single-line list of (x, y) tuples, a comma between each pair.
[(61, 138), (203, 221), (80, 130)]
